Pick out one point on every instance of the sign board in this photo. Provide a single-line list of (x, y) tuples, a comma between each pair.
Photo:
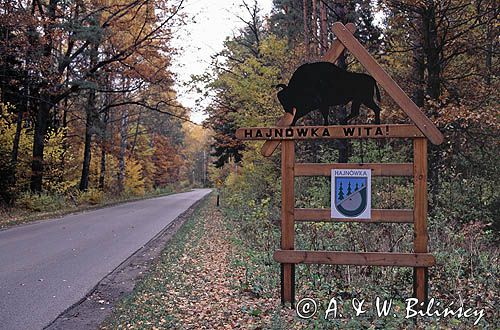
[(351, 194), (352, 203)]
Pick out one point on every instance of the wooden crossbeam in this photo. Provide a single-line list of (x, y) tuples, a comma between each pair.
[(355, 258), (328, 132), (378, 169), (378, 216), (399, 96)]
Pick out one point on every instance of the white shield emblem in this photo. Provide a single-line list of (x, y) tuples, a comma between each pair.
[(351, 194)]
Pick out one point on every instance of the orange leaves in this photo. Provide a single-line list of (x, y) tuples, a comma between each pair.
[(167, 161)]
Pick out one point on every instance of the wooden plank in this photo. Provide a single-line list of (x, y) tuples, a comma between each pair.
[(420, 214), (399, 96), (378, 216), (287, 216), (420, 194), (355, 258), (337, 48), (378, 169), (331, 55), (271, 145), (328, 132)]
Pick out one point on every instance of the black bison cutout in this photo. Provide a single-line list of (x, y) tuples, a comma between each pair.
[(323, 84)]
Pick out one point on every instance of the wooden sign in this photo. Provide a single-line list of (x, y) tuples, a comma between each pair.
[(353, 210), (328, 132)]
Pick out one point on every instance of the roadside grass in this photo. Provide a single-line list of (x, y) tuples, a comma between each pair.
[(33, 207)]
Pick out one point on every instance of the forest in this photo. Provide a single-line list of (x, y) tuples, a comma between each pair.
[(88, 108), (89, 114)]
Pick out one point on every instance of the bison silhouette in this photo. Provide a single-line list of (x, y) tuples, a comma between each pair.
[(323, 84)]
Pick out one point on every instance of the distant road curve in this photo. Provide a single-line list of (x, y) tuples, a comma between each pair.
[(46, 267)]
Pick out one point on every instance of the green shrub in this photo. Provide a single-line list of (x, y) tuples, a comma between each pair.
[(163, 190), (42, 202)]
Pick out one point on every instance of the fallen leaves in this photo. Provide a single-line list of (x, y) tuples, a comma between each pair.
[(197, 285)]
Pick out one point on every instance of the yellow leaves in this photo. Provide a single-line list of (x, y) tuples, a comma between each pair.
[(91, 196), (134, 180)]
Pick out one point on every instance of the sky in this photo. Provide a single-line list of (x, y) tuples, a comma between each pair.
[(209, 22)]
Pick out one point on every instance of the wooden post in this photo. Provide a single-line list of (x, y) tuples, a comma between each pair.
[(420, 276), (287, 219)]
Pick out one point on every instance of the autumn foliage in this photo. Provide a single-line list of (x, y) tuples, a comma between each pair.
[(87, 98)]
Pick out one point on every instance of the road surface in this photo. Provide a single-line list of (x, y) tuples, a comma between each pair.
[(46, 267)]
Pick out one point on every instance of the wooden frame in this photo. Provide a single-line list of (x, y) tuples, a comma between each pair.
[(287, 219), (422, 131), (332, 55), (420, 278), (420, 260)]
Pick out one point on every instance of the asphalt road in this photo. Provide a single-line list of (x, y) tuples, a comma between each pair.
[(46, 267)]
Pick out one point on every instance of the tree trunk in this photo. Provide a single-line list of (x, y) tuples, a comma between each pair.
[(432, 51), (104, 135), (418, 70), (306, 30), (40, 130), (136, 134), (15, 145), (323, 29), (102, 173), (123, 149), (87, 152), (314, 28), (45, 103), (89, 122), (65, 145)]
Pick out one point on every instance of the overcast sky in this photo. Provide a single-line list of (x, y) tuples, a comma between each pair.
[(209, 23)]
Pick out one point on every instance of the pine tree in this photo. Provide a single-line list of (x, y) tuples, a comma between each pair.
[(341, 192), (349, 188)]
